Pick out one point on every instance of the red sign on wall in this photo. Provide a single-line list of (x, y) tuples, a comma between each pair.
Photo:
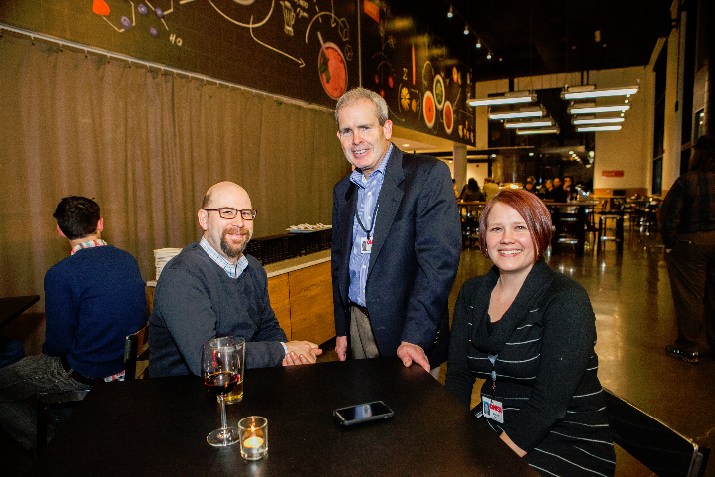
[(612, 174)]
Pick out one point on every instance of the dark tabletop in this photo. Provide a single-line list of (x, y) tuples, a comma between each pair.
[(14, 306), (159, 427)]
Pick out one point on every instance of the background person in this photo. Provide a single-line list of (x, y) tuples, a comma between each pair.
[(490, 189), (93, 299), (471, 192), (568, 188), (390, 295), (213, 289), (530, 332), (559, 194), (688, 229), (530, 185), (546, 192)]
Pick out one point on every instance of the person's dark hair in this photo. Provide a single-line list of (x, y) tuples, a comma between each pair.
[(77, 216), (357, 94), (472, 184), (703, 157), (531, 208)]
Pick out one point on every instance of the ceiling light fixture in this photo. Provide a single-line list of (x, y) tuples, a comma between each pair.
[(590, 91), (478, 44), (524, 132), (592, 108), (538, 123), (519, 97), (534, 112), (450, 12), (594, 120), (466, 29), (489, 55), (616, 127)]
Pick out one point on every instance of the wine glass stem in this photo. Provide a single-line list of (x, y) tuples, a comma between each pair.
[(223, 412)]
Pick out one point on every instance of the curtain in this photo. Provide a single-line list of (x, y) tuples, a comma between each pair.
[(146, 145)]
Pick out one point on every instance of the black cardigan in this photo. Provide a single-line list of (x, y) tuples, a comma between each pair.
[(546, 367)]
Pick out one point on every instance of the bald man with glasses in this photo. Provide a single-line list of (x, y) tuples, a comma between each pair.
[(213, 289)]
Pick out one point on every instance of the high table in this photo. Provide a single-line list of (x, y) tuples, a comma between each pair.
[(14, 306), (159, 427)]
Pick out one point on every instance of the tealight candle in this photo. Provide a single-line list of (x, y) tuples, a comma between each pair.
[(253, 442), (253, 436)]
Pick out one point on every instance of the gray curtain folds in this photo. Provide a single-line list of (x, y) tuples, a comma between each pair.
[(145, 144)]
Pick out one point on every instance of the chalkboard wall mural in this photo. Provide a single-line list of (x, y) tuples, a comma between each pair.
[(424, 87), (303, 49)]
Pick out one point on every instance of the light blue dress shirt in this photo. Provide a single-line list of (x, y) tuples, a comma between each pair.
[(368, 193)]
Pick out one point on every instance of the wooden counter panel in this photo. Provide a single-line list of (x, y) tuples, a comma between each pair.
[(279, 294), (312, 303)]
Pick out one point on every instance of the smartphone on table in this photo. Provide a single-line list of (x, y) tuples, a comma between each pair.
[(370, 411)]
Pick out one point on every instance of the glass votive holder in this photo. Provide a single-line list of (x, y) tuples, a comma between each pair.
[(253, 437)]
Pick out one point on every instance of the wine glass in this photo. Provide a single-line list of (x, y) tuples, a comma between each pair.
[(220, 373)]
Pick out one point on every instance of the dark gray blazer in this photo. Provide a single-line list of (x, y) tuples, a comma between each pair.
[(414, 256)]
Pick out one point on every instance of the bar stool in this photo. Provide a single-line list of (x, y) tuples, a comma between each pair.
[(610, 220), (469, 216), (569, 227)]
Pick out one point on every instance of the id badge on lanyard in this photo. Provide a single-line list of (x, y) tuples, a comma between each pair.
[(366, 245), (491, 408)]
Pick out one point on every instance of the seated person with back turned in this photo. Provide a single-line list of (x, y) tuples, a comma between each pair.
[(213, 289), (530, 333), (93, 299)]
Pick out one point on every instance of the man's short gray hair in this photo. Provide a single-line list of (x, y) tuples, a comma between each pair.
[(357, 94)]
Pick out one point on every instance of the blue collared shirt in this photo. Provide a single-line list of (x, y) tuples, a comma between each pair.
[(233, 270), (368, 193)]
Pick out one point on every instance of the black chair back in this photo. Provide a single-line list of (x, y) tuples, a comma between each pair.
[(136, 348)]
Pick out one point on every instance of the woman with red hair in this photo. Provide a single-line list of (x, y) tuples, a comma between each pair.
[(530, 333)]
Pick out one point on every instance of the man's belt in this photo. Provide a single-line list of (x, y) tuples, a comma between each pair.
[(80, 378), (362, 309)]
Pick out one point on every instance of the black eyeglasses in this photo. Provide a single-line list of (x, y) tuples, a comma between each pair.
[(229, 213)]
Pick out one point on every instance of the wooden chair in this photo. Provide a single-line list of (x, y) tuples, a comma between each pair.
[(662, 449), (136, 350)]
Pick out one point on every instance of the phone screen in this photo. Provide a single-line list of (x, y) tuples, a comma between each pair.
[(363, 413)]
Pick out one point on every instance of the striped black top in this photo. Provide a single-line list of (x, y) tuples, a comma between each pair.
[(545, 368)]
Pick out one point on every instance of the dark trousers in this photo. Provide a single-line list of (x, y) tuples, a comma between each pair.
[(691, 269)]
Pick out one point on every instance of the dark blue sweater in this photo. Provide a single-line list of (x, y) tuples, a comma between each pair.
[(93, 300)]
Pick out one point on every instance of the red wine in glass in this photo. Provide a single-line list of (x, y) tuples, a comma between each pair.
[(221, 382)]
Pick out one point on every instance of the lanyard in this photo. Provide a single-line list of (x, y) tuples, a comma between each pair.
[(492, 359), (372, 225)]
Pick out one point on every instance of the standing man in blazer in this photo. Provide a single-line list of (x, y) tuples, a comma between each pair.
[(396, 242)]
